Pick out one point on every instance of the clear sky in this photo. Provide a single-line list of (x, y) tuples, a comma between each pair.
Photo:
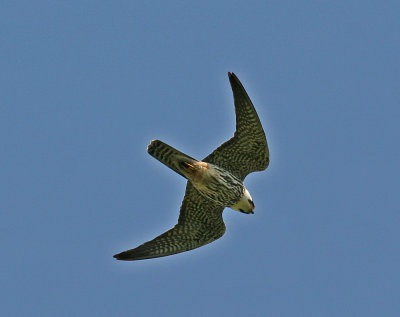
[(86, 85)]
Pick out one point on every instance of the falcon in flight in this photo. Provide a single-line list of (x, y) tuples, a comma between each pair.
[(214, 183)]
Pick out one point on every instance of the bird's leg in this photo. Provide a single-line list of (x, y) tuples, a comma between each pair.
[(193, 170), (188, 166)]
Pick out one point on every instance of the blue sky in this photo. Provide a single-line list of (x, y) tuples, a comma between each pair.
[(85, 86)]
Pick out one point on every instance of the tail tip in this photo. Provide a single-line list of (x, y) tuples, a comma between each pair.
[(152, 145)]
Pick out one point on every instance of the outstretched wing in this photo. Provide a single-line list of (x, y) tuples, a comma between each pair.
[(200, 222), (247, 151)]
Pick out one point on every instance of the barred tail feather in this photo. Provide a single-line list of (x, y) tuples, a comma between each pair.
[(168, 155)]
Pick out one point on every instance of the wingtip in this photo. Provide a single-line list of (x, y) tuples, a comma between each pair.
[(133, 255), (117, 256), (234, 80), (121, 256)]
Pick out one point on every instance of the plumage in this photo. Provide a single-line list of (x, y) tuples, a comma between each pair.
[(213, 183)]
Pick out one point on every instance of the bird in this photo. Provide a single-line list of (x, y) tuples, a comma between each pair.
[(214, 183)]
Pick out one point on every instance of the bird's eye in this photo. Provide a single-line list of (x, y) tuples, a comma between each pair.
[(250, 202)]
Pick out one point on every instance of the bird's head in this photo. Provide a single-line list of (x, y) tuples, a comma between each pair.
[(245, 204)]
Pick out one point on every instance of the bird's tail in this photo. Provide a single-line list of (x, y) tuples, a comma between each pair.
[(171, 157)]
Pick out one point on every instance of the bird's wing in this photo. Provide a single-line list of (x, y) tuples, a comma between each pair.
[(247, 151), (200, 222)]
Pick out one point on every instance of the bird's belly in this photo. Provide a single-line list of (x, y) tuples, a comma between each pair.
[(218, 185)]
